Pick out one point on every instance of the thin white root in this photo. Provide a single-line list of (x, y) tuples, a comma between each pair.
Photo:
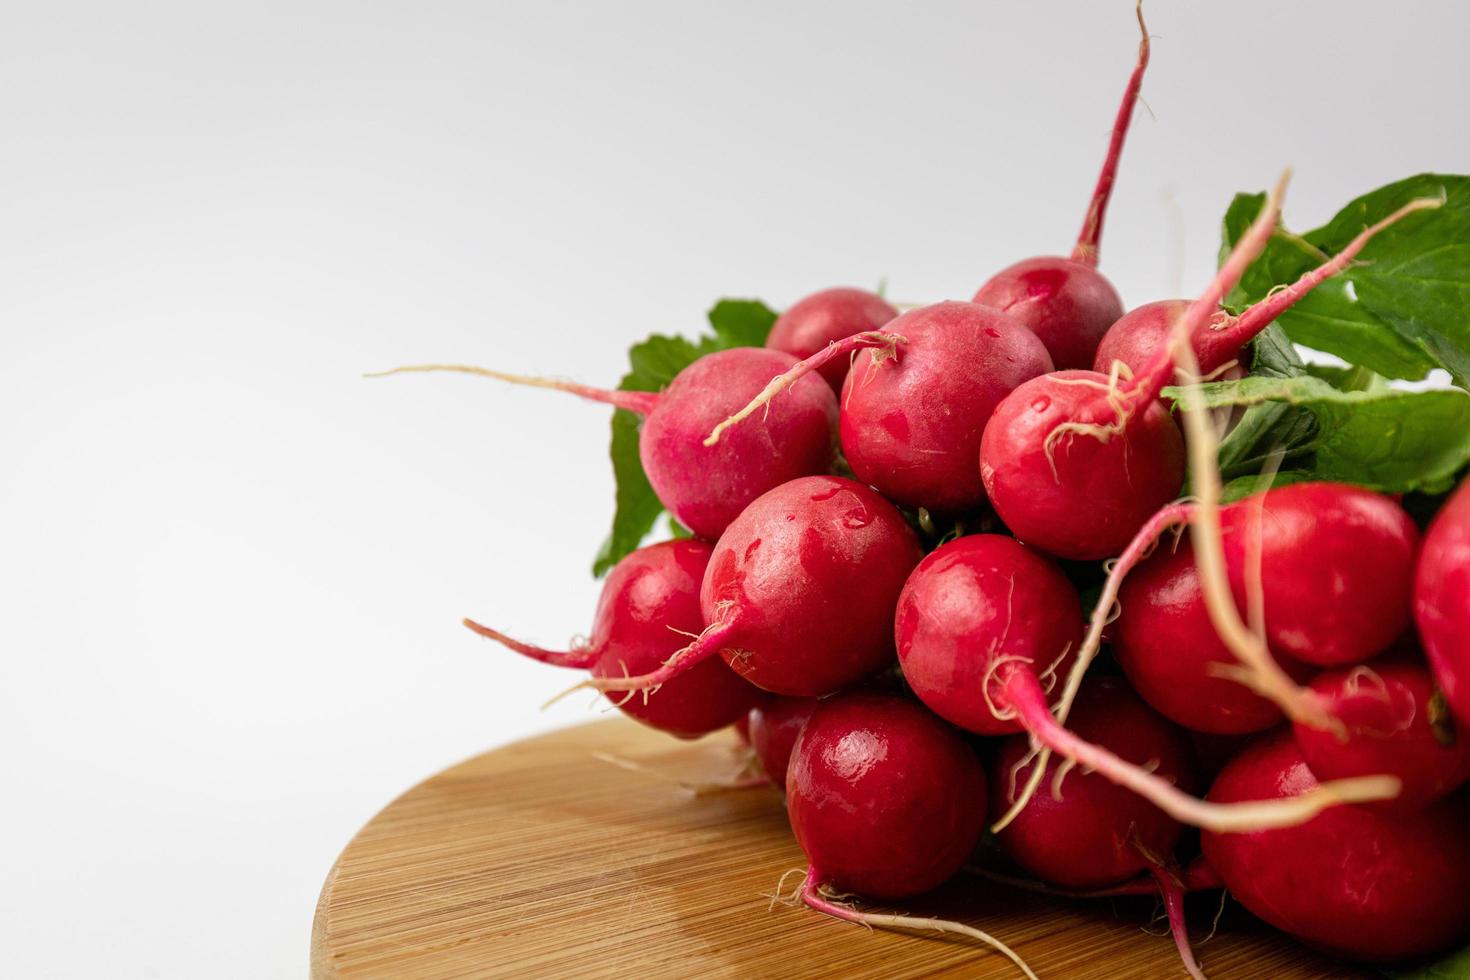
[(1038, 773), (484, 372), (747, 777), (813, 897), (1262, 673)]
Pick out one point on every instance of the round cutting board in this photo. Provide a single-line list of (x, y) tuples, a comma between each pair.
[(541, 859)]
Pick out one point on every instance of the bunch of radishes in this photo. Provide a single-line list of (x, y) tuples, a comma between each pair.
[(1287, 678)]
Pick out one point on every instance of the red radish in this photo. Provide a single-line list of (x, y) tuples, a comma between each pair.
[(774, 725), (1066, 301), (1093, 833), (649, 605), (800, 591), (1140, 333), (973, 608), (1442, 600), (706, 487), (1334, 565), (1357, 882), (917, 399), (1074, 492), (886, 801), (742, 726), (1388, 710), (1166, 644), (983, 616), (1075, 462), (824, 318)]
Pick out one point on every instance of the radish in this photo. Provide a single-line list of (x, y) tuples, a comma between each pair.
[(1166, 644), (1075, 462), (978, 608), (774, 725), (649, 603), (825, 317), (1354, 881), (886, 801), (983, 619), (1139, 334), (800, 591), (918, 397), (707, 487), (1329, 567), (1334, 565), (1066, 301), (1393, 725), (1093, 833), (1442, 600)]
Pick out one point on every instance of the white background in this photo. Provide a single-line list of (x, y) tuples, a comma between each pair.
[(231, 570)]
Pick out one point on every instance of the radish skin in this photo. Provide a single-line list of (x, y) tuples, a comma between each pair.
[(1356, 882), (1442, 600), (798, 552)]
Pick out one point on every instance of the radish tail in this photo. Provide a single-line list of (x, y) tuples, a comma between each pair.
[(1023, 693), (706, 645), (1172, 892), (1255, 319), (578, 659), (1102, 613), (885, 343), (1087, 242), (745, 778), (811, 895), (1156, 372), (638, 402)]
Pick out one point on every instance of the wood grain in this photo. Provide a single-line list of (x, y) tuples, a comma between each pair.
[(540, 860)]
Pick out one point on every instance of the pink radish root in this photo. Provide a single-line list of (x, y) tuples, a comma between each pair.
[(1022, 693), (885, 344), (576, 659), (1171, 890), (1086, 250), (637, 402)]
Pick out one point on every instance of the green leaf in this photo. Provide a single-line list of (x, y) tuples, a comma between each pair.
[(1455, 966), (1270, 430), (1386, 439), (741, 322), (637, 507), (653, 363), (1404, 307)]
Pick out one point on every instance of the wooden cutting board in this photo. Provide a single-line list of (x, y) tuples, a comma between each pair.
[(542, 860)]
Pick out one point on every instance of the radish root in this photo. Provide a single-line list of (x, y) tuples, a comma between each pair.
[(817, 897), (1026, 697), (579, 658), (706, 645), (747, 777), (638, 402), (1171, 890), (1087, 241), (885, 346)]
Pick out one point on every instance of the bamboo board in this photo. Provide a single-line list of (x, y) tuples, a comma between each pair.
[(541, 860)]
